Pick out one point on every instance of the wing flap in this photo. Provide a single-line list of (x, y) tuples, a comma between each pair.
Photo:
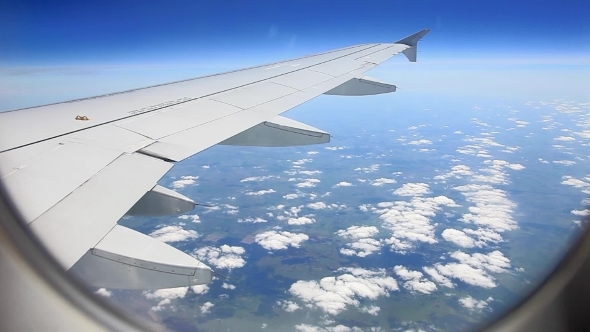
[(126, 259), (279, 131), (82, 218)]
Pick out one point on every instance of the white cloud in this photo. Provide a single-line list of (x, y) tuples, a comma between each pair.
[(184, 181), (260, 192), (370, 169), (259, 178), (318, 206), (103, 292), (421, 142), (494, 261), (309, 173), (361, 248), (300, 221), (467, 274), (312, 152), (302, 161), (581, 212), (206, 307), (458, 237), (371, 310), (174, 234), (228, 286), (358, 232), (492, 208), (414, 280), (293, 196), (410, 221), (288, 306), (564, 162), (458, 171), (343, 184), (381, 181), (200, 289), (334, 294), (473, 304), (224, 257), (334, 148), (439, 278), (412, 189), (252, 220), (565, 138), (308, 183), (192, 217), (273, 240), (165, 296)]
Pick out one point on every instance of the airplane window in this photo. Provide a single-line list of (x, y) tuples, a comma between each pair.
[(447, 192)]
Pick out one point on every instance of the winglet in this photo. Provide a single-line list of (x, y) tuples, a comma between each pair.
[(412, 41)]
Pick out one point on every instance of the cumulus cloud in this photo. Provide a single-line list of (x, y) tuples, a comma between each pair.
[(565, 139), (414, 280), (224, 257), (228, 286), (165, 296), (103, 292), (206, 308), (200, 289), (174, 234), (252, 220), (364, 245), (412, 189), (334, 148), (410, 221), (288, 306), (308, 183), (458, 171), (358, 232), (260, 192), (312, 152), (370, 169), (273, 240), (467, 274), (186, 180), (381, 181), (564, 162), (300, 221), (439, 278), (458, 237), (333, 294), (293, 196), (420, 142), (192, 217), (472, 269), (473, 304), (318, 206), (302, 161), (582, 213), (309, 173), (361, 248), (259, 178), (492, 208), (371, 310), (343, 184)]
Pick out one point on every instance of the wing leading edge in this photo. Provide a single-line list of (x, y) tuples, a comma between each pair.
[(84, 164)]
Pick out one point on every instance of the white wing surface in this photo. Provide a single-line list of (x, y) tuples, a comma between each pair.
[(73, 169)]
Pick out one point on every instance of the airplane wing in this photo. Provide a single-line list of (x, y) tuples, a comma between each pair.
[(73, 169)]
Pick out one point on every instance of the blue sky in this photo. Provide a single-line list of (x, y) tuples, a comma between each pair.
[(97, 47)]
